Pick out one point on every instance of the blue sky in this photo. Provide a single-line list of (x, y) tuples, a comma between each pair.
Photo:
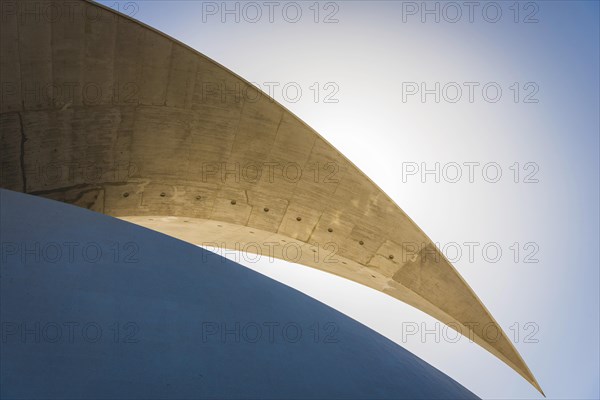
[(541, 133)]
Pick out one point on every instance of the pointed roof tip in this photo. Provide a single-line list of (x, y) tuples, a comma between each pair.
[(432, 278), (536, 385), (540, 390), (526, 373)]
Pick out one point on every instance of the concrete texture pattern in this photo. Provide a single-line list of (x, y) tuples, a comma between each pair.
[(103, 112)]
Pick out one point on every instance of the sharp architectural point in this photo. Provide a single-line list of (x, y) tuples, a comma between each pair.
[(141, 127)]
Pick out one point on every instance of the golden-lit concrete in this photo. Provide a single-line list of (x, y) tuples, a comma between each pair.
[(103, 112)]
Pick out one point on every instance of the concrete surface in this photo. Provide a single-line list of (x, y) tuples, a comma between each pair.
[(103, 112)]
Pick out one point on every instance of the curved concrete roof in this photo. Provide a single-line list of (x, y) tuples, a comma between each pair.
[(101, 111)]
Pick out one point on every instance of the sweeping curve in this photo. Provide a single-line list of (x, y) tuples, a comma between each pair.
[(104, 112)]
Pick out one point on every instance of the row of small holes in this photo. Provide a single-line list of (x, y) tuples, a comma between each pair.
[(163, 194), (233, 202)]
